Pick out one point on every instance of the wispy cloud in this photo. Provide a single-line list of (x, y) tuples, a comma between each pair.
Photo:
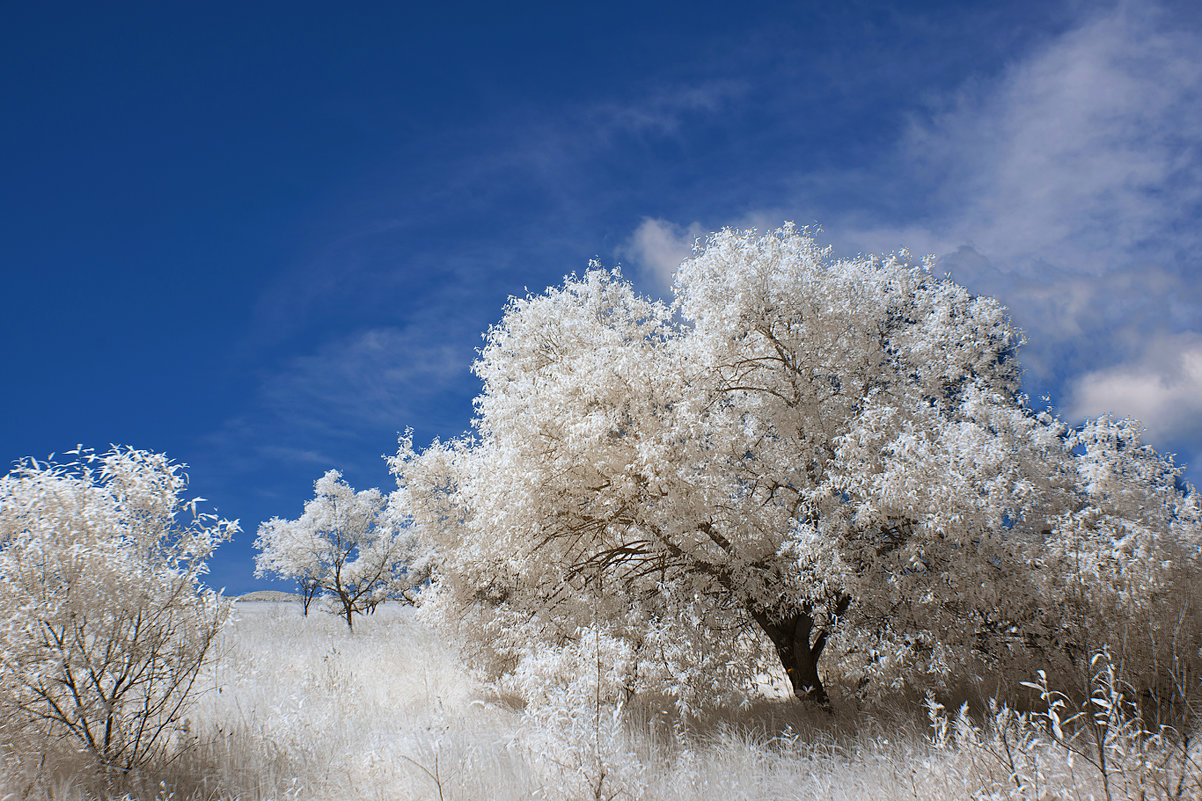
[(1069, 186), (342, 404), (1083, 156), (1072, 192), (373, 377), (659, 111), (484, 200)]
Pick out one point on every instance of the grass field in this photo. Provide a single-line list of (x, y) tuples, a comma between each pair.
[(301, 708)]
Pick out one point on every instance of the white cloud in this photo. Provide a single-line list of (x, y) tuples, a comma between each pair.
[(373, 377), (1069, 187), (1077, 322), (657, 247), (1084, 156), (1163, 388)]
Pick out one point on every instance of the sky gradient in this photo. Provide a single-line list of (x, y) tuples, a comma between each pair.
[(266, 239)]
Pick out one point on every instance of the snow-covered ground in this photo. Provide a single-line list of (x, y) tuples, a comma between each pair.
[(300, 708)]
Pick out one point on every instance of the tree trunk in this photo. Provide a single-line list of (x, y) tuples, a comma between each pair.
[(348, 609), (308, 590), (791, 636)]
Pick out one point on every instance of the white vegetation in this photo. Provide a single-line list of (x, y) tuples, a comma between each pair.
[(666, 519), (301, 708), (105, 623), (346, 544), (800, 456)]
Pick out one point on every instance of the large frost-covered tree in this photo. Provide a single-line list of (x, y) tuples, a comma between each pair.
[(105, 621), (345, 544), (800, 452)]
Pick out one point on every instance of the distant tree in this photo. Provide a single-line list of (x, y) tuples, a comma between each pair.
[(309, 588), (346, 544), (800, 453), (289, 552), (105, 621)]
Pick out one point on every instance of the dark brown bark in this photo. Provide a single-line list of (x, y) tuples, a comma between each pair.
[(799, 647)]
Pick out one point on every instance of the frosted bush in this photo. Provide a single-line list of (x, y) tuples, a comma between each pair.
[(106, 623), (574, 725)]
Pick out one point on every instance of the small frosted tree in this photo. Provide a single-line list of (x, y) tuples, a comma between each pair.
[(800, 456), (346, 544), (287, 551), (105, 621)]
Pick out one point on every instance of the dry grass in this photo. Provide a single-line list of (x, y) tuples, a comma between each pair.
[(300, 708)]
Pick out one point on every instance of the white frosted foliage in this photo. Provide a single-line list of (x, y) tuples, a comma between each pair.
[(350, 545), (106, 622), (801, 458)]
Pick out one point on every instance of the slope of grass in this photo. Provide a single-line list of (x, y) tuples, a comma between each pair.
[(300, 708)]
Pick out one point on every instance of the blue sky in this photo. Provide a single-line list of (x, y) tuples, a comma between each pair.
[(264, 238)]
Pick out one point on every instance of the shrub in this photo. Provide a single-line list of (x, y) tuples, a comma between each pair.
[(105, 623)]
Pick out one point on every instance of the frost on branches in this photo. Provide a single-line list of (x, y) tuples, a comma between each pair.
[(801, 461), (348, 545), (105, 622)]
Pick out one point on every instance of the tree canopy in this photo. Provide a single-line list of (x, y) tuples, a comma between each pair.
[(345, 544), (799, 454)]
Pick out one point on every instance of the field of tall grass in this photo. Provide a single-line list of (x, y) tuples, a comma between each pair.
[(301, 708)]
